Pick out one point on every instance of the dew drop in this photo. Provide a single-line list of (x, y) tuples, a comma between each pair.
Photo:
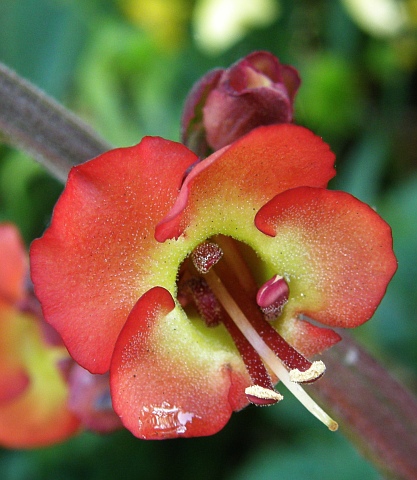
[(165, 420)]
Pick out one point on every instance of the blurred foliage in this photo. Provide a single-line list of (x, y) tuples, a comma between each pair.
[(125, 66)]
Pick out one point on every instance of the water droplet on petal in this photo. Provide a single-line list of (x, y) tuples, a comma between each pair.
[(165, 420)]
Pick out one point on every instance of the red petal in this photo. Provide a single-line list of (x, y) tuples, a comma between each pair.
[(291, 80), (36, 420), (13, 377), (12, 383), (33, 413), (247, 174), (265, 63), (166, 381), (13, 264), (308, 338), (336, 251), (90, 267), (192, 127)]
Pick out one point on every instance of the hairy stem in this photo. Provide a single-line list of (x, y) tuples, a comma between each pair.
[(373, 409), (37, 124)]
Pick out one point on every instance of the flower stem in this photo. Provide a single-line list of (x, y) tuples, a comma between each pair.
[(374, 410), (37, 124)]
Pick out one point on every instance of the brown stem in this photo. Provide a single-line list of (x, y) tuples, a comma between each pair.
[(373, 409), (39, 125)]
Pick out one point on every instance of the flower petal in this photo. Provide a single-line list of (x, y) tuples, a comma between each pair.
[(334, 250), (308, 338), (192, 126), (90, 267), (168, 379), (13, 264), (13, 376), (228, 187), (37, 415)]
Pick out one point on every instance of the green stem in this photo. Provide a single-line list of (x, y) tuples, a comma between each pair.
[(373, 409), (37, 124)]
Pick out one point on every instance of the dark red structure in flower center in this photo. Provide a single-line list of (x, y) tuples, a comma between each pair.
[(210, 266)]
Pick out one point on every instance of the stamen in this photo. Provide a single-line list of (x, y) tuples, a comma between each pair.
[(316, 370), (272, 297), (272, 292), (184, 295), (263, 350), (205, 255), (255, 367), (286, 353), (213, 313), (237, 263), (206, 302), (272, 312), (262, 396)]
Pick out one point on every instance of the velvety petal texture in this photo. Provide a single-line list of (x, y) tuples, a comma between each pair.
[(169, 380), (334, 250), (110, 268), (95, 260), (223, 193)]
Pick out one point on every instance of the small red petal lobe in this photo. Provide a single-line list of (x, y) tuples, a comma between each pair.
[(311, 339), (263, 163), (161, 391), (88, 267), (13, 264), (344, 247)]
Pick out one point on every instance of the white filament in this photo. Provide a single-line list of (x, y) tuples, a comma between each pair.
[(265, 352)]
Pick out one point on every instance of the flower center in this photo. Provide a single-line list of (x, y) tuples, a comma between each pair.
[(219, 283)]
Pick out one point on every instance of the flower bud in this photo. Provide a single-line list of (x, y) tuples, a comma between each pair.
[(227, 103)]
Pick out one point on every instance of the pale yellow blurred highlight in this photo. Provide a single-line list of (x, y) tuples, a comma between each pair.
[(163, 20), (219, 24), (380, 18)]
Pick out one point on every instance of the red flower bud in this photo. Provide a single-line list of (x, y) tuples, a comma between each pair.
[(227, 103)]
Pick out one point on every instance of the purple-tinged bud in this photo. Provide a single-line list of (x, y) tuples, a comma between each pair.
[(89, 399), (226, 104)]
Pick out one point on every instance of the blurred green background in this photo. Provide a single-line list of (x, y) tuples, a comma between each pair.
[(125, 66)]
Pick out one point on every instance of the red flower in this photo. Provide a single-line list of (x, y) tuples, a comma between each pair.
[(186, 289), (228, 103), (37, 405), (33, 392)]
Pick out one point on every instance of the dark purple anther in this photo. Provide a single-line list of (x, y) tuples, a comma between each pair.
[(206, 255)]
